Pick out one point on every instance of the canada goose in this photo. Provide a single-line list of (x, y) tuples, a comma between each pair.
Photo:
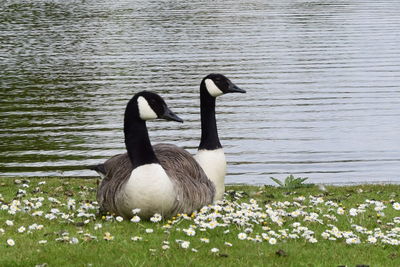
[(210, 154), (163, 179)]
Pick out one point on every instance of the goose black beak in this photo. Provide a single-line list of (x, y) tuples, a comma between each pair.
[(234, 89), (170, 116)]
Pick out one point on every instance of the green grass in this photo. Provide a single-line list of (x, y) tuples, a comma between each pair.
[(122, 251)]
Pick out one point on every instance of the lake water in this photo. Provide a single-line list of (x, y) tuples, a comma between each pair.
[(322, 81)]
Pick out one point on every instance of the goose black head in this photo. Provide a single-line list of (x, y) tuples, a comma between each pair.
[(151, 106), (218, 84)]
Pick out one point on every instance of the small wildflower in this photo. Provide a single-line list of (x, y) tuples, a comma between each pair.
[(372, 239), (353, 240), (295, 213), (325, 235), (272, 241), (37, 213), (248, 230), (135, 211), (42, 241), (205, 240), (340, 211), (296, 224), (119, 219), (190, 231), (74, 240), (136, 238), (156, 218), (21, 229), (312, 240), (228, 244), (10, 242), (396, 206), (353, 212), (242, 236), (50, 216), (214, 250), (185, 244), (135, 219), (165, 247), (55, 211), (107, 236), (149, 230), (9, 222)]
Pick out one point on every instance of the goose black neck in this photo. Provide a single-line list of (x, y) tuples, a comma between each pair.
[(209, 132), (137, 139)]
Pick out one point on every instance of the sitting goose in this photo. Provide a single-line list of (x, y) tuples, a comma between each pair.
[(210, 154), (163, 179)]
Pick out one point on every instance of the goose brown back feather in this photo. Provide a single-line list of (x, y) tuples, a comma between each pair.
[(193, 189)]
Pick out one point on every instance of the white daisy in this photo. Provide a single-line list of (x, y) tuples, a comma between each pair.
[(185, 244), (372, 239), (205, 240), (135, 219), (228, 244), (190, 231), (242, 236), (135, 211), (74, 240), (340, 211), (156, 218), (214, 250)]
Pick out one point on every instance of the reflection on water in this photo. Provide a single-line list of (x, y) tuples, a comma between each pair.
[(322, 78)]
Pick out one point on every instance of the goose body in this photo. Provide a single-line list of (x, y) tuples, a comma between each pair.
[(210, 155), (191, 187), (163, 179), (213, 163)]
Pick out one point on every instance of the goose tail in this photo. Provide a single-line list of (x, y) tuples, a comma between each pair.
[(99, 168)]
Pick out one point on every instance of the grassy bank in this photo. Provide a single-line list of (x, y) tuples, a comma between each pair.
[(52, 221)]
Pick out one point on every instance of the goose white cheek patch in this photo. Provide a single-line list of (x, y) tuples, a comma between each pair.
[(145, 111), (212, 89)]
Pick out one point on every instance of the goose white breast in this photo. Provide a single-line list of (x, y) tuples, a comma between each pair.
[(150, 189)]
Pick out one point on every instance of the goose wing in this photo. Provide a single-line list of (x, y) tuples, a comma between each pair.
[(194, 190), (116, 172)]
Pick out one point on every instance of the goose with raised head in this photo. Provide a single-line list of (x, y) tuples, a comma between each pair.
[(210, 154), (163, 179)]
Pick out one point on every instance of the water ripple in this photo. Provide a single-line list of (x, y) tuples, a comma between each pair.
[(322, 79)]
